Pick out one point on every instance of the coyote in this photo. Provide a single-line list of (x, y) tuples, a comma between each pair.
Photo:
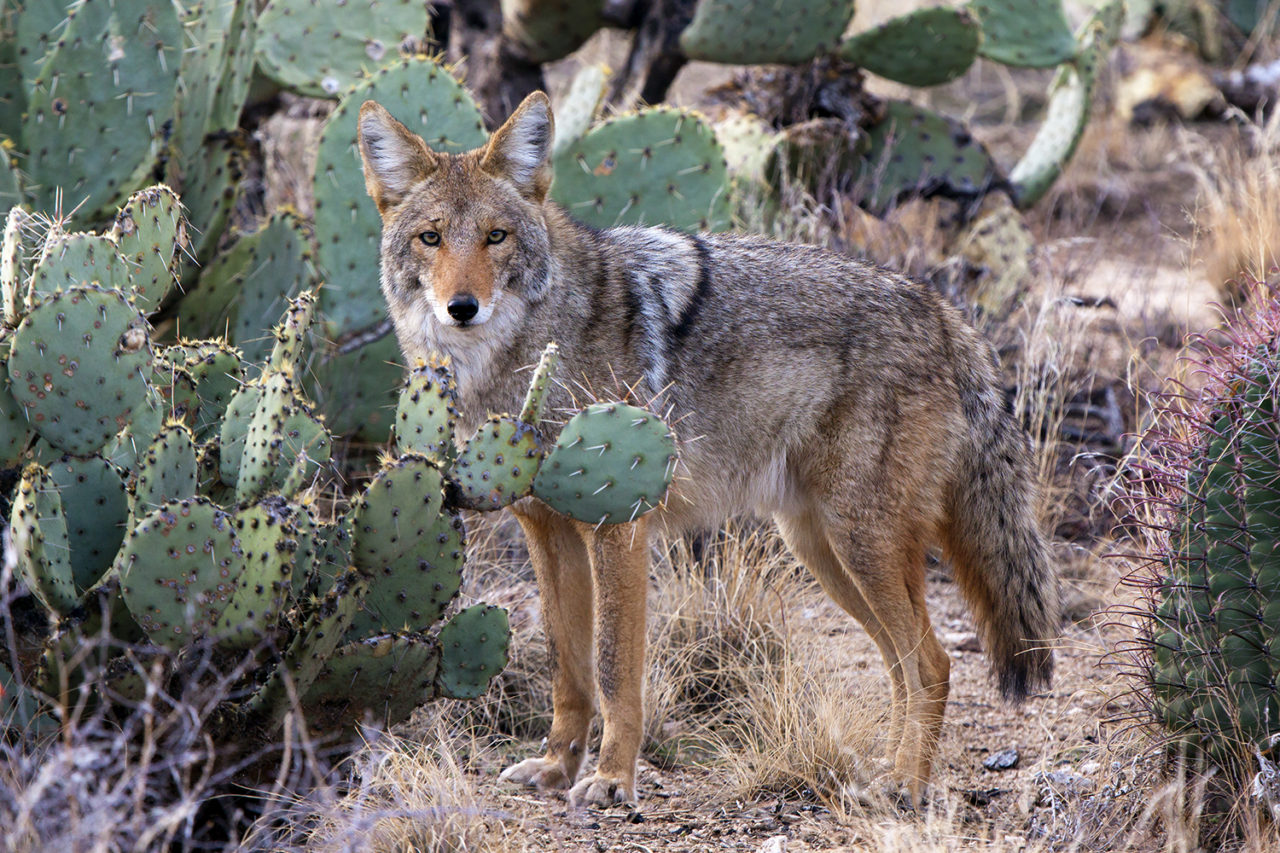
[(853, 405)]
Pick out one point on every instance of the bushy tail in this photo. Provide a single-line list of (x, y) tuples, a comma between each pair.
[(1001, 560)]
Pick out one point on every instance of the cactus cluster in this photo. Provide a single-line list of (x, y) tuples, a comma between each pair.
[(173, 485), (1209, 655)]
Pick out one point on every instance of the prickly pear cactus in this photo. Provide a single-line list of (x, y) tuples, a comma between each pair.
[(659, 166), (611, 464), (355, 36), (99, 104), (760, 31), (912, 150), (1032, 33), (1210, 657), (926, 47), (79, 366)]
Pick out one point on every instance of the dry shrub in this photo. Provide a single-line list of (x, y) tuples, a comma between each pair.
[(404, 794), (1237, 215), (728, 682)]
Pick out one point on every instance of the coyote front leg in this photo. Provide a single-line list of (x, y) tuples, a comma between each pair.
[(619, 556), (562, 567)]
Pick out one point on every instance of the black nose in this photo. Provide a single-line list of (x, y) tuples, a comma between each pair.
[(463, 308)]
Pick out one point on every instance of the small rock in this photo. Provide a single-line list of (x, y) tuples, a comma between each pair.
[(1005, 759), (1090, 767), (776, 844)]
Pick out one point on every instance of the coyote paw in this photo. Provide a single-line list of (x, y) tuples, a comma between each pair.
[(597, 790), (542, 773)]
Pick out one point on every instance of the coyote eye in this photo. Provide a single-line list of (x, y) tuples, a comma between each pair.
[(497, 235), (430, 238)]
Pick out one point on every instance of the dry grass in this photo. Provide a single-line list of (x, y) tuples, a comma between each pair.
[(1237, 215)]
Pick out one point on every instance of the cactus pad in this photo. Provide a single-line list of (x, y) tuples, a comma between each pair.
[(496, 466), (166, 470), (427, 413), (151, 233), (79, 366), (38, 531), (1070, 97), (356, 36), (661, 166), (217, 368), (916, 151), (70, 260), (267, 534), (611, 464), (535, 401), (96, 509), (178, 568), (383, 678), (1030, 33), (473, 649), (751, 32), (101, 101), (249, 286), (409, 546), (926, 47), (431, 103), (356, 390)]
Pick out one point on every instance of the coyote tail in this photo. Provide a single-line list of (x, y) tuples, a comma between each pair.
[(1001, 561)]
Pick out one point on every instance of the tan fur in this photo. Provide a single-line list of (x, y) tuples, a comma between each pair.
[(852, 405)]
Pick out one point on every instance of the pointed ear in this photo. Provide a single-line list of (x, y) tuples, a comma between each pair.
[(395, 158), (519, 149)]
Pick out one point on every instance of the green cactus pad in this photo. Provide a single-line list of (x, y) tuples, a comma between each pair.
[(218, 371), (332, 556), (1028, 33), (473, 649), (547, 30), (177, 387), (145, 424), (378, 680), (264, 443), (576, 110), (40, 25), (237, 77), (179, 567), (13, 274), (356, 390), (71, 260), (1070, 97), (208, 190), (427, 413), (100, 103), (357, 37), (535, 401), (431, 103), (15, 432), (914, 151), (410, 547), (926, 47), (313, 646), (205, 28), (268, 534), (10, 183), (291, 332), (247, 287), (611, 464), (753, 32), (96, 509), (38, 531), (166, 470), (661, 166), (13, 94), (235, 426), (79, 366), (151, 233), (496, 466)]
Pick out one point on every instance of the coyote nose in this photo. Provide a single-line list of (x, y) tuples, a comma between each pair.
[(463, 308)]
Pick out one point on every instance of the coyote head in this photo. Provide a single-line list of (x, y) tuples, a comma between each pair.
[(461, 233)]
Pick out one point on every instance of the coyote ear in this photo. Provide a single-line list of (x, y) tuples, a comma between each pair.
[(395, 158), (518, 150)]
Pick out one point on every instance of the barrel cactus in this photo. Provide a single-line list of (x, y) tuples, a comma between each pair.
[(1210, 498)]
